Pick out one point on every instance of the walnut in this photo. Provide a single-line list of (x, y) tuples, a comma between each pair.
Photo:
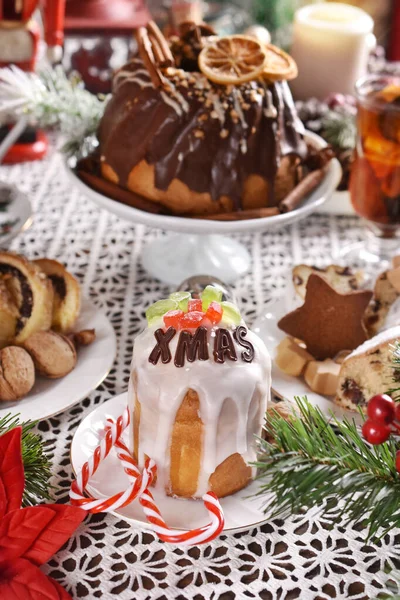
[(84, 337), (17, 373), (53, 354)]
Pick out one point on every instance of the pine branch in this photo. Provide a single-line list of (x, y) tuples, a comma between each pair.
[(339, 129), (318, 462), (37, 465), (52, 99)]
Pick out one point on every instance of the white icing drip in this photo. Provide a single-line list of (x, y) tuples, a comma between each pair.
[(175, 105), (219, 110), (243, 146), (132, 77), (270, 111), (161, 389), (237, 97), (178, 96)]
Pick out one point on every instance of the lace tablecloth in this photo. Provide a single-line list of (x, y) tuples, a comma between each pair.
[(299, 557)]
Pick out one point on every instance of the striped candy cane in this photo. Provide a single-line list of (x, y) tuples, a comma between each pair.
[(138, 488)]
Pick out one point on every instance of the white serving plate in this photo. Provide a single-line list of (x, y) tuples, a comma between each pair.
[(52, 396), (242, 510)]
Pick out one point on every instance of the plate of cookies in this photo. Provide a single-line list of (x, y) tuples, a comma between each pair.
[(55, 347), (333, 335)]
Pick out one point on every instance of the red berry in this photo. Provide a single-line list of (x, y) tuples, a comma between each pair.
[(194, 305), (397, 411), (381, 409), (191, 320), (173, 318), (375, 433), (398, 461), (214, 312)]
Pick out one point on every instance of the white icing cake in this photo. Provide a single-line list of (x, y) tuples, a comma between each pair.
[(233, 398)]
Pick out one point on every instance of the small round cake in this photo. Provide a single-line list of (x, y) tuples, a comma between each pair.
[(199, 387), (175, 137)]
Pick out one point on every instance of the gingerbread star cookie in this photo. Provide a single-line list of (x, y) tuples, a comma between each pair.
[(328, 322)]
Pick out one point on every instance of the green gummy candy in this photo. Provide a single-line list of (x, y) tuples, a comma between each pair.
[(182, 299), (231, 313), (158, 309), (210, 294)]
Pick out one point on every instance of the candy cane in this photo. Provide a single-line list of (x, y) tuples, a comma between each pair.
[(139, 481), (138, 488)]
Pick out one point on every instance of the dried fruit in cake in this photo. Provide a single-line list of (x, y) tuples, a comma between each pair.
[(17, 374), (368, 371), (278, 65), (67, 294), (53, 354), (384, 296), (328, 322), (232, 60), (31, 293), (342, 279)]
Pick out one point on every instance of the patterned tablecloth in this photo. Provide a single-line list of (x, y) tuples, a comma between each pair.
[(298, 557)]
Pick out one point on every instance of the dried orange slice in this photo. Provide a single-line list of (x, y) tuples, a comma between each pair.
[(233, 59), (279, 65)]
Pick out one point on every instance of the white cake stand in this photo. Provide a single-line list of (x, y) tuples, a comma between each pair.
[(199, 246)]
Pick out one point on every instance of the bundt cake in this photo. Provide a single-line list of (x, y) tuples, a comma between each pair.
[(177, 138)]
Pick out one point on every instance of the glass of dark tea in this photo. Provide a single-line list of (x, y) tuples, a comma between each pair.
[(375, 174)]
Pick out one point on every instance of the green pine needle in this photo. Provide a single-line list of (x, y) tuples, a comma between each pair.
[(37, 465), (339, 129), (316, 461)]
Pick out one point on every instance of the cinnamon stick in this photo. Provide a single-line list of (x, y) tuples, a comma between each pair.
[(251, 213), (156, 34), (301, 191), (147, 56), (120, 194)]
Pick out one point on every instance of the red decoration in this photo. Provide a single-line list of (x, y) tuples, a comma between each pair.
[(28, 536), (195, 305), (375, 433), (173, 318), (214, 312), (381, 409)]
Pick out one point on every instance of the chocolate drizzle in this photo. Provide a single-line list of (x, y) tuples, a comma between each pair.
[(223, 346), (25, 308), (191, 345), (210, 137), (161, 349), (240, 336)]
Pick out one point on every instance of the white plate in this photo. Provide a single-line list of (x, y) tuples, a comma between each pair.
[(242, 510), (52, 396), (204, 226), (286, 386), (15, 213)]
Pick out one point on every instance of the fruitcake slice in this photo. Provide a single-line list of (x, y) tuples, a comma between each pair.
[(342, 279), (385, 294), (368, 370)]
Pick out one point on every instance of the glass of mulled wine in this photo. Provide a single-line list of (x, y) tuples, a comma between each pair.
[(375, 175)]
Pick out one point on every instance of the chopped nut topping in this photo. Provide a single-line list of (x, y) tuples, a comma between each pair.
[(253, 129), (198, 133), (224, 133), (203, 117)]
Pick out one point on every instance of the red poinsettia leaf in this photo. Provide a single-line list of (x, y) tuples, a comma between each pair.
[(65, 521), (19, 530), (21, 580), (11, 470), (62, 593), (3, 499)]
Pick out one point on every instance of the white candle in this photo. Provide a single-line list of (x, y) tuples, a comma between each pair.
[(331, 44)]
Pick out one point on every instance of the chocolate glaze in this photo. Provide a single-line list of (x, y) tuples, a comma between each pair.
[(240, 336), (210, 137), (59, 285), (25, 309), (224, 346), (191, 346), (162, 347)]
